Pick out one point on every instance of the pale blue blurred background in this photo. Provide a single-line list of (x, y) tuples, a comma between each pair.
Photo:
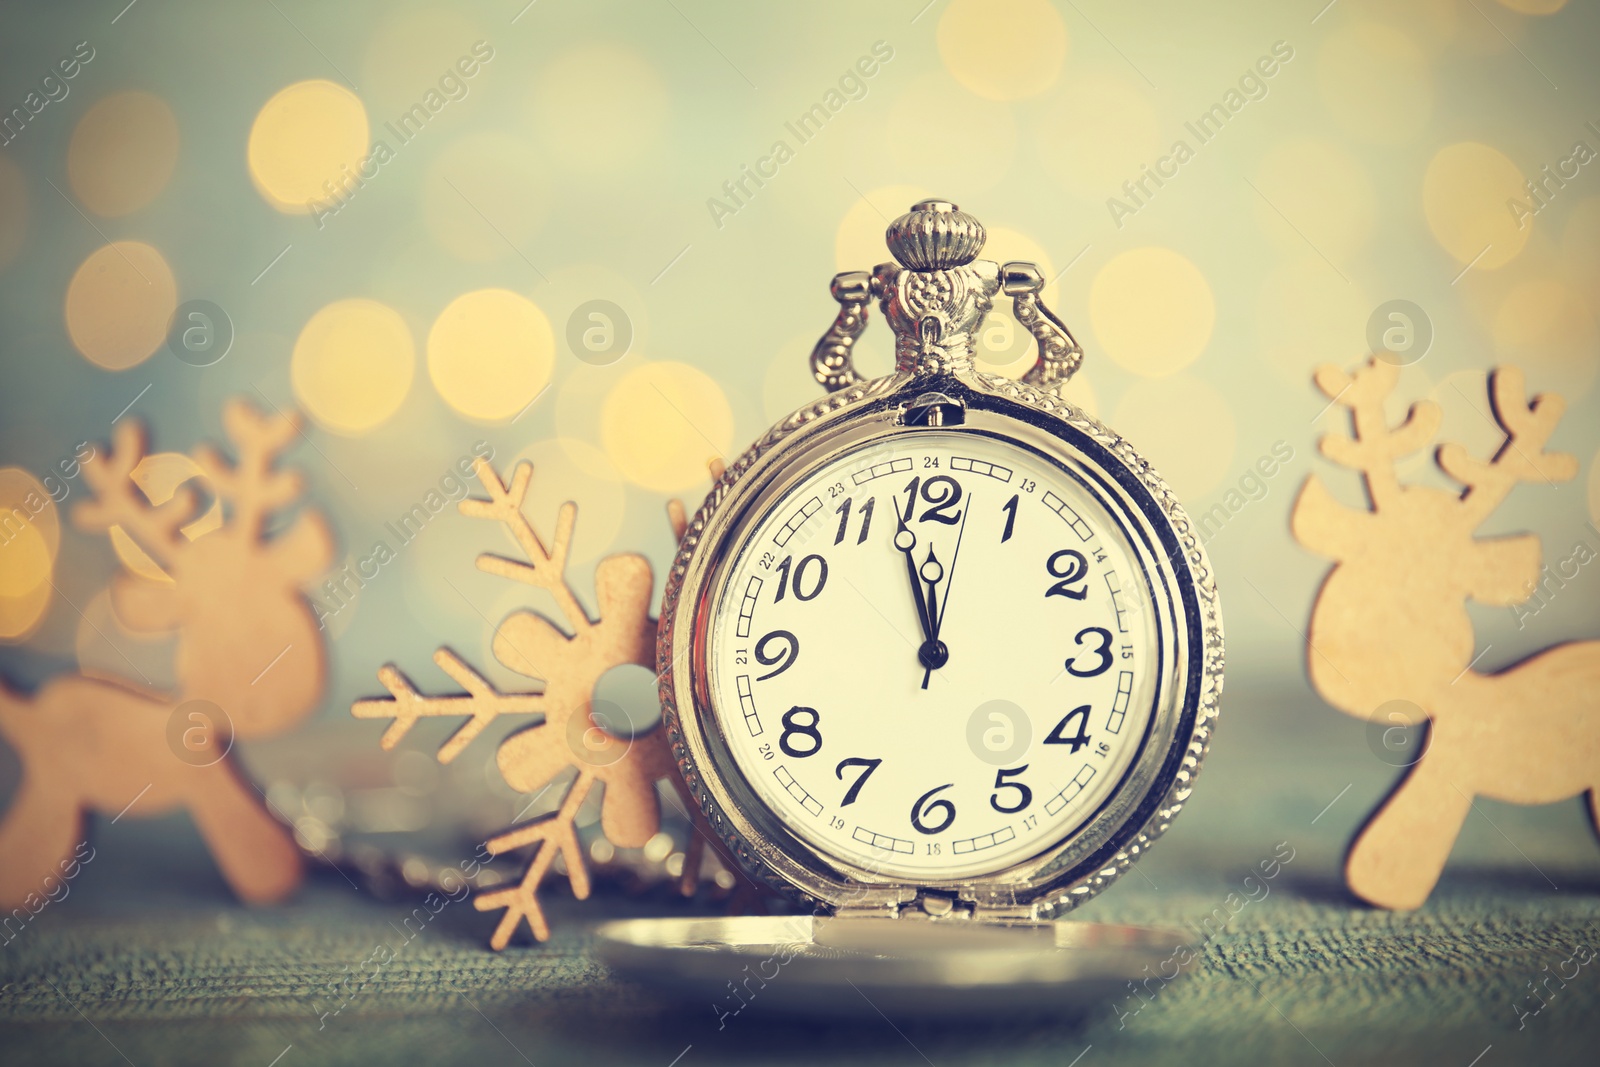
[(585, 160)]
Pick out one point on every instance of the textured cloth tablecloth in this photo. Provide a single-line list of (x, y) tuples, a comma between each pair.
[(148, 961)]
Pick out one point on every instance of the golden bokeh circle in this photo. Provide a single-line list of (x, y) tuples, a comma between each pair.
[(1003, 51), (1185, 427), (30, 532), (310, 135), (21, 615), (30, 538), (13, 211), (1464, 195), (479, 178), (662, 423), (490, 352), (133, 556), (859, 242), (158, 477), (1095, 131), (1152, 311), (352, 365), (119, 303), (1375, 82), (1547, 329), (601, 107), (1323, 189), (123, 153)]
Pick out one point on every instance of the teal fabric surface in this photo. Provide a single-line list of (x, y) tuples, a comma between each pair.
[(148, 961), (1294, 978)]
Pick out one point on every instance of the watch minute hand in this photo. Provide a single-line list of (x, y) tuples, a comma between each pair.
[(955, 558)]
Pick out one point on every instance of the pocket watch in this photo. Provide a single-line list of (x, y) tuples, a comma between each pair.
[(940, 646)]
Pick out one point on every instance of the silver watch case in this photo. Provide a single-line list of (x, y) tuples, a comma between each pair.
[(1156, 784)]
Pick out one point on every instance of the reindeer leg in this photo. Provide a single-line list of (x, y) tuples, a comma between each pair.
[(1396, 859), (256, 852), (38, 833)]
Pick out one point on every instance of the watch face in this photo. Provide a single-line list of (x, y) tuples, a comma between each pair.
[(936, 656)]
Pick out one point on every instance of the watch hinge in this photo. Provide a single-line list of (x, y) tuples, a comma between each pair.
[(939, 905), (934, 410)]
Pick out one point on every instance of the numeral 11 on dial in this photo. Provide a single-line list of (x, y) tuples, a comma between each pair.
[(843, 511)]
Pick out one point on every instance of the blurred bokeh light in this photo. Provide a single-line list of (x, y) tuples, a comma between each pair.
[(599, 237)]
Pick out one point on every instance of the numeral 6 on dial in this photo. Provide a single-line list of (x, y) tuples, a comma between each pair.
[(925, 805)]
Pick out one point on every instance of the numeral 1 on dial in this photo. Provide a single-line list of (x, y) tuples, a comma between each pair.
[(1010, 508)]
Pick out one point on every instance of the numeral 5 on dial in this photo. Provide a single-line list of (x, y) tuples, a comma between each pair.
[(1024, 795)]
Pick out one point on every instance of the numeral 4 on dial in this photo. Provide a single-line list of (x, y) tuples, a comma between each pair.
[(1059, 735)]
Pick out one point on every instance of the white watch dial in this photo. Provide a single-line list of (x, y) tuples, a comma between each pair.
[(936, 656)]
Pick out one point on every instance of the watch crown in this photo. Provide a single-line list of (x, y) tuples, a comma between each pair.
[(935, 235)]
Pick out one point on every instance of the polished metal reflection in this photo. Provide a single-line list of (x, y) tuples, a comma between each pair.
[(840, 965)]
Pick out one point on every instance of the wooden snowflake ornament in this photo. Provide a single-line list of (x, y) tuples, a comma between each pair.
[(572, 734)]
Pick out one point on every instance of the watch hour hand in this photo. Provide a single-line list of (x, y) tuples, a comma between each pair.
[(906, 542), (932, 572)]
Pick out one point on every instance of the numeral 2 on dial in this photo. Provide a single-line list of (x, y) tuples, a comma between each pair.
[(1070, 566)]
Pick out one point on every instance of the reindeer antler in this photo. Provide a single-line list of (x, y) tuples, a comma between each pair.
[(118, 501), (251, 486), (1375, 445), (1521, 458)]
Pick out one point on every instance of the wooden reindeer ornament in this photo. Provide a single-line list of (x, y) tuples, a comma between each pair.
[(249, 663), (571, 734), (1390, 624)]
